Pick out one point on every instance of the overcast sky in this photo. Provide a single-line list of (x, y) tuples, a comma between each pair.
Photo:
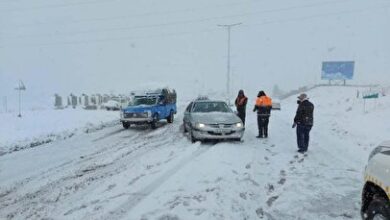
[(116, 45)]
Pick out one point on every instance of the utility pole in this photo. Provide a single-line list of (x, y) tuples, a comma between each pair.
[(20, 88), (228, 27)]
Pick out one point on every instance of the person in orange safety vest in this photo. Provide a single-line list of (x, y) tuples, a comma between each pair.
[(263, 107)]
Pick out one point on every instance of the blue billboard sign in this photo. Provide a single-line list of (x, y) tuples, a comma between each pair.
[(337, 70)]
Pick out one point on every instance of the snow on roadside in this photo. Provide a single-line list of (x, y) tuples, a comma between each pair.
[(340, 116), (44, 126)]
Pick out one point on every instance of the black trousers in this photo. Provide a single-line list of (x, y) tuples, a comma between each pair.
[(303, 136), (242, 116), (262, 123)]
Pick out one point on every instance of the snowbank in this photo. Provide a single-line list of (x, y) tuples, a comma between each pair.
[(362, 121), (44, 126)]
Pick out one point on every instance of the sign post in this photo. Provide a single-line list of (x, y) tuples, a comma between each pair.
[(337, 70), (371, 95), (20, 88)]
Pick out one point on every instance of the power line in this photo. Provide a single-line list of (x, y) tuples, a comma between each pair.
[(195, 32), (202, 20), (107, 40), (319, 16), (126, 16), (115, 29), (167, 24), (50, 6)]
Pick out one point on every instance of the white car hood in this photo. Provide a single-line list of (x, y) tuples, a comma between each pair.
[(215, 118)]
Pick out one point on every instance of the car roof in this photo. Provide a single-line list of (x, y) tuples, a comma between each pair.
[(385, 144), (147, 96), (209, 101)]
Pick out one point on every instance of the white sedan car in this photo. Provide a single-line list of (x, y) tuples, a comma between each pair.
[(212, 120), (112, 105)]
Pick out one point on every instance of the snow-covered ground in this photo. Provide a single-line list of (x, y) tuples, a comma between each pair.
[(46, 125), (158, 174)]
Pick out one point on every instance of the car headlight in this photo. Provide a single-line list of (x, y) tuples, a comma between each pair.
[(148, 113), (200, 125), (375, 152), (239, 125)]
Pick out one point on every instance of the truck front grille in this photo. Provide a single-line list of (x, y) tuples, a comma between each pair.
[(136, 115), (221, 125)]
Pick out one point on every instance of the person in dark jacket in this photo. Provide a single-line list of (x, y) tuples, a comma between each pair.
[(240, 103), (303, 121), (263, 107)]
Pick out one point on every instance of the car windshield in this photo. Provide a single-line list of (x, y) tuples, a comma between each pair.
[(144, 101), (211, 107)]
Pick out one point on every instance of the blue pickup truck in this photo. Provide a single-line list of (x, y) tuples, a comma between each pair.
[(149, 107)]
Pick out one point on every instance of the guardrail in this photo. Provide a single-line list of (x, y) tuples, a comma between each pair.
[(305, 89)]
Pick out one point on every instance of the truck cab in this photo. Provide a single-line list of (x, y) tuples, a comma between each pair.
[(149, 107)]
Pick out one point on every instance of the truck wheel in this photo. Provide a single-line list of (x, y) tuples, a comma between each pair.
[(379, 209), (170, 117), (153, 124), (126, 125)]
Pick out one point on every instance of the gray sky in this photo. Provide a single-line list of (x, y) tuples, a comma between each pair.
[(116, 45)]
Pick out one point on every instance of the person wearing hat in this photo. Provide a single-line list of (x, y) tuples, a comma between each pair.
[(303, 121), (263, 107), (240, 103)]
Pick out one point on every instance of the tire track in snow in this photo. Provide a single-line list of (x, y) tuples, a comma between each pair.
[(138, 197), (72, 162), (88, 170), (109, 135)]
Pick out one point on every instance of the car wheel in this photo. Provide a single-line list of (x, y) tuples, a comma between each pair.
[(379, 209), (192, 138), (185, 127), (170, 117), (126, 125), (153, 124)]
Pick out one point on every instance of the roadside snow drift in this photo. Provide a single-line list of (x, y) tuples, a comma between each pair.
[(44, 126)]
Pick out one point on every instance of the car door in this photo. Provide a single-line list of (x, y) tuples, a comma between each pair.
[(187, 115), (382, 166), (162, 107)]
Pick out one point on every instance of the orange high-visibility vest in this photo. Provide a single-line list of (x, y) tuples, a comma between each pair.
[(263, 101)]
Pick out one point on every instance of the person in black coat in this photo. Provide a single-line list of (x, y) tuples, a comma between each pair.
[(240, 103), (303, 121)]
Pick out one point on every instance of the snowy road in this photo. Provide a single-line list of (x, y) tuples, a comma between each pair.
[(158, 174)]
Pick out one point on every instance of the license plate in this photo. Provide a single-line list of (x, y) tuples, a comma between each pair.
[(221, 131)]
